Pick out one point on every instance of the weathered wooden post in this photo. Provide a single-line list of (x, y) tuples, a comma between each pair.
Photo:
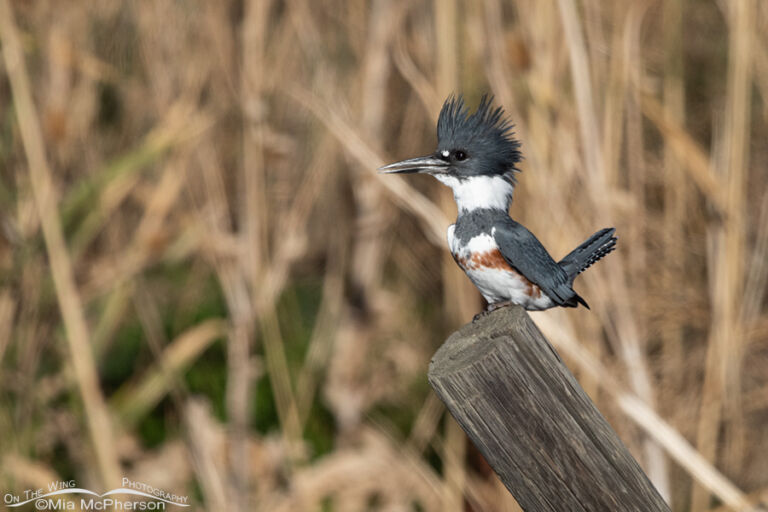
[(535, 425)]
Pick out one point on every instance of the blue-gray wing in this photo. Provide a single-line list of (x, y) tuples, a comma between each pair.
[(523, 251)]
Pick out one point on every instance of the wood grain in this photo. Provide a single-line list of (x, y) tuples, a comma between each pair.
[(513, 396)]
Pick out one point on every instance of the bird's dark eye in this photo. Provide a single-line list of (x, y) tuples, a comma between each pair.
[(459, 155)]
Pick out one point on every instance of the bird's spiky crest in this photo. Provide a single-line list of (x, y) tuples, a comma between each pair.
[(487, 132)]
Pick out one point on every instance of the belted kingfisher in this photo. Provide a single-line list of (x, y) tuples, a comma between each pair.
[(476, 156)]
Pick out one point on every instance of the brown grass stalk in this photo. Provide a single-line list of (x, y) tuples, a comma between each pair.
[(724, 356), (629, 335), (676, 187), (405, 196), (80, 355), (7, 310)]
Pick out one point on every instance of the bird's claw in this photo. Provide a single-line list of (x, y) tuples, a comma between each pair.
[(490, 309)]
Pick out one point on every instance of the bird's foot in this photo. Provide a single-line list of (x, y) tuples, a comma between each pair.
[(491, 308)]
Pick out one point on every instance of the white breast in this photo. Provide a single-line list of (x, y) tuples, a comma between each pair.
[(495, 284)]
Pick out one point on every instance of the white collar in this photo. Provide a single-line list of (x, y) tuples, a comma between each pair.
[(479, 191)]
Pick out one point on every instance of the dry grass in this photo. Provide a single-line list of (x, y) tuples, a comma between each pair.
[(205, 285)]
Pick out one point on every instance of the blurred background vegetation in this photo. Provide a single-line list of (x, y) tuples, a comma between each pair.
[(205, 286)]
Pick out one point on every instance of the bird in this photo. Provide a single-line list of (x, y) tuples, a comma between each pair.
[(477, 156)]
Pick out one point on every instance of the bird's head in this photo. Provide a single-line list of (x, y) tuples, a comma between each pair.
[(474, 151)]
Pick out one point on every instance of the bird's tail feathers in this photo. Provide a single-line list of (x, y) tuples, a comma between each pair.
[(589, 252), (574, 302)]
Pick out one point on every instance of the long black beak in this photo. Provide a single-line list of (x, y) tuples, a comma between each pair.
[(423, 164)]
